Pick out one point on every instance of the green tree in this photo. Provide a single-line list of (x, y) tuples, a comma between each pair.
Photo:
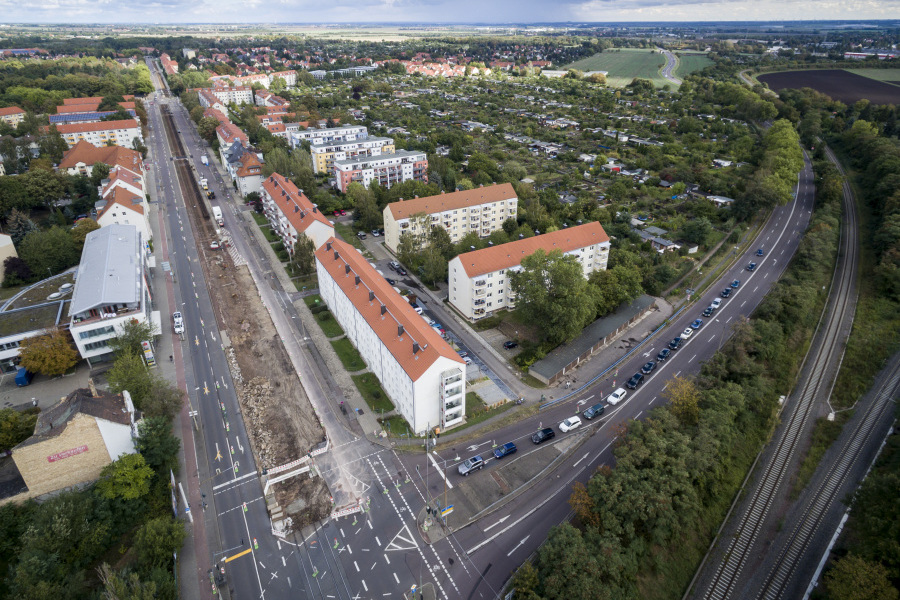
[(526, 582), (434, 265), (50, 354), (130, 373), (19, 225), (207, 128), (615, 286), (551, 291), (164, 400), (125, 585), (697, 230), (81, 230), (157, 540), (15, 427), (304, 255), (567, 568), (854, 578), (49, 252), (42, 187), (99, 172), (684, 399), (131, 335), (15, 271), (157, 444), (127, 478)]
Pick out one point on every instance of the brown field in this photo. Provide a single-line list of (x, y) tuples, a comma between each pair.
[(839, 85)]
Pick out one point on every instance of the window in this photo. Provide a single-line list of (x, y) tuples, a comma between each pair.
[(86, 335), (96, 345)]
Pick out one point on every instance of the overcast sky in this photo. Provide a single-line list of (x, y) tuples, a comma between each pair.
[(437, 11)]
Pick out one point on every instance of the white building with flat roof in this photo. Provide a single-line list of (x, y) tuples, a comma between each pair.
[(479, 281), (328, 135), (386, 169), (112, 287), (481, 210), (419, 371)]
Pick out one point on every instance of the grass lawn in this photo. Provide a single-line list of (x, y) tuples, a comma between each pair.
[(260, 218), (890, 75), (689, 63), (328, 324), (474, 402), (350, 358), (305, 283), (624, 64), (480, 415), (347, 234), (314, 300), (397, 426), (368, 386)]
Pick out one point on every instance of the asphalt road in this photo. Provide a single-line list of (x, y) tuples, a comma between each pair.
[(669, 68)]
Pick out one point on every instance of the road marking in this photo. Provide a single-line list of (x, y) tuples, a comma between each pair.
[(577, 463), (386, 559), (283, 563), (364, 585), (678, 373), (397, 579), (235, 480), (377, 541), (729, 320), (712, 338), (692, 358), (441, 473), (342, 531), (356, 565), (518, 545), (497, 523), (348, 549), (373, 566), (240, 554)]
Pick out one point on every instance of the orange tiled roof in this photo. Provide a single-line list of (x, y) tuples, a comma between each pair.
[(11, 110), (462, 199), (250, 165), (65, 128), (505, 256), (295, 206), (369, 296), (88, 154), (124, 198)]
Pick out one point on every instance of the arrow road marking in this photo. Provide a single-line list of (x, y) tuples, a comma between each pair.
[(497, 523), (474, 447), (519, 544)]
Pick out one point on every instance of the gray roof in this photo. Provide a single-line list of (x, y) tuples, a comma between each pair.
[(52, 422), (110, 269), (564, 355)]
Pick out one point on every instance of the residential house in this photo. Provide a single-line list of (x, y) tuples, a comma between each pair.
[(12, 115), (292, 214), (325, 155), (386, 169), (120, 133), (81, 158)]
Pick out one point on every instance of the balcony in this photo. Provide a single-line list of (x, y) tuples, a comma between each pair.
[(452, 405), (453, 379), (480, 282)]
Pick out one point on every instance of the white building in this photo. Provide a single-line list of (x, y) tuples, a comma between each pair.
[(479, 281), (347, 133), (291, 213), (119, 133), (210, 97), (121, 207), (481, 210), (386, 169), (419, 371), (324, 155), (112, 287)]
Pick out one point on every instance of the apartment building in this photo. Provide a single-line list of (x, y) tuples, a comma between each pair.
[(12, 115), (386, 169), (248, 173), (328, 135), (325, 155), (479, 280), (419, 371), (81, 158), (112, 287), (221, 95), (481, 210), (120, 133), (292, 214)]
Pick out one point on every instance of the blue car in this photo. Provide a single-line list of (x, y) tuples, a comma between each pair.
[(663, 354), (697, 324), (505, 450), (736, 283), (760, 252)]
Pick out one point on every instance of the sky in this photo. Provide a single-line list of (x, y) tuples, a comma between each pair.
[(437, 11)]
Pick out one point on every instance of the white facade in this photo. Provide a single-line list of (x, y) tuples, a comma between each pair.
[(420, 373), (386, 169), (119, 133), (123, 213), (324, 155), (291, 213), (346, 133), (479, 281)]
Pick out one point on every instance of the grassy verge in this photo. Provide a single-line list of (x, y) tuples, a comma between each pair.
[(397, 426), (313, 301), (474, 402), (371, 391), (350, 358), (328, 324), (823, 435), (347, 234), (305, 283), (534, 382), (260, 219), (483, 414)]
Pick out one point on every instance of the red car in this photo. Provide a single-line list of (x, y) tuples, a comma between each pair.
[(337, 213)]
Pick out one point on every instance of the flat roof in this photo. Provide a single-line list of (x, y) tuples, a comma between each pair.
[(110, 271)]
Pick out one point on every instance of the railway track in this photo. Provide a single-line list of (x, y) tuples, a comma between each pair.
[(187, 180), (828, 343)]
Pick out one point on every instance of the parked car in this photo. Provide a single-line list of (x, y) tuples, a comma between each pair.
[(636, 380), (736, 283), (726, 292), (510, 344), (663, 355), (542, 435), (361, 235), (343, 212), (716, 303), (467, 360), (688, 332), (760, 252), (401, 271), (594, 411), (751, 267), (505, 450), (390, 281), (569, 424), (708, 311), (375, 233), (23, 377), (178, 322), (462, 353), (394, 265), (470, 464), (214, 245), (616, 397), (648, 367), (675, 344), (697, 324), (337, 213)]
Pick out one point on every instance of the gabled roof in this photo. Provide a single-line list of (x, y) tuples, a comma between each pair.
[(296, 207), (231, 132), (11, 110), (110, 271), (100, 126), (250, 165), (122, 197), (417, 345), (86, 153), (52, 422), (454, 200), (505, 256)]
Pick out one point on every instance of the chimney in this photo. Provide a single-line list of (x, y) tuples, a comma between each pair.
[(328, 246), (399, 330), (415, 347), (336, 255), (383, 309), (371, 294), (91, 385), (347, 269), (356, 281)]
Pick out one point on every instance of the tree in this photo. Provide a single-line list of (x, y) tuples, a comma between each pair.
[(131, 335), (434, 265), (684, 398), (157, 444), (615, 286), (207, 128), (854, 578), (551, 291), (49, 252), (697, 230), (525, 583), (99, 172), (15, 271), (15, 427), (81, 230), (304, 255), (42, 187), (53, 146), (127, 478), (19, 225), (130, 373), (157, 540), (568, 568), (125, 585), (49, 354), (165, 399)]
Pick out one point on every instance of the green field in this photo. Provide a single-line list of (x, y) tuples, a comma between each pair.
[(888, 75), (624, 64), (688, 63)]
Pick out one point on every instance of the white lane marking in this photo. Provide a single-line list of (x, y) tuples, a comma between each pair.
[(580, 459), (440, 472)]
